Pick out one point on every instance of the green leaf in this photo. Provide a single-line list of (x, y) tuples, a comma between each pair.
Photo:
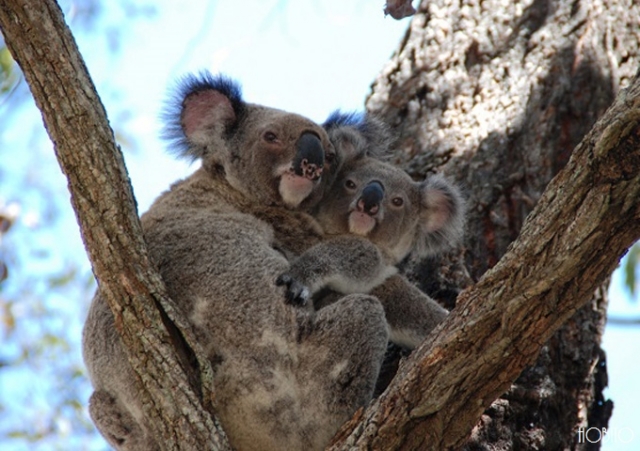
[(6, 63), (631, 263), (8, 77)]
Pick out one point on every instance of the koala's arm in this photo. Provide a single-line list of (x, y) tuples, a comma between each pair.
[(410, 313), (346, 264)]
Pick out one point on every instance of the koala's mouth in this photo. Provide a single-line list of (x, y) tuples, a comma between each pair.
[(361, 223), (294, 188)]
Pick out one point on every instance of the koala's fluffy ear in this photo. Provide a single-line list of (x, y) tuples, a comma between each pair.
[(202, 112), (441, 216), (356, 135)]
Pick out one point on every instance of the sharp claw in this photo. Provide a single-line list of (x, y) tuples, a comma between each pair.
[(304, 296), (301, 295), (283, 279), (296, 293)]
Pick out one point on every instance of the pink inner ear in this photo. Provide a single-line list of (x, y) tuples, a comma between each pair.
[(203, 110), (438, 210)]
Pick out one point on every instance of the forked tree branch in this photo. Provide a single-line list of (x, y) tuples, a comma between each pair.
[(587, 218)]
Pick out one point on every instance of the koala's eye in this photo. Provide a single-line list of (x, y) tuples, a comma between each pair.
[(350, 184), (397, 201), (270, 137)]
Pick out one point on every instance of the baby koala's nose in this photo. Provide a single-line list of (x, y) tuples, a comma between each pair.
[(372, 196)]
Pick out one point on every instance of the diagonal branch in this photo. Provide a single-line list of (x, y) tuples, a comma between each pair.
[(102, 198), (586, 220)]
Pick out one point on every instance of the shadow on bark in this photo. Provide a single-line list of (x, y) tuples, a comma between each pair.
[(503, 180)]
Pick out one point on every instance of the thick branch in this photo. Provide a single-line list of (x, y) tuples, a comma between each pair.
[(587, 218), (102, 198)]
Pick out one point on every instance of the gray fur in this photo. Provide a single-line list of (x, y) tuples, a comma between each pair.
[(420, 217), (283, 377)]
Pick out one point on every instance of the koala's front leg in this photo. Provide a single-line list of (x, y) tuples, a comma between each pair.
[(410, 313), (346, 264)]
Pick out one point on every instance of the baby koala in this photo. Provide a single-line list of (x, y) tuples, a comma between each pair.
[(373, 217)]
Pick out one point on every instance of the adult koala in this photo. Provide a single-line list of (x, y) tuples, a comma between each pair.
[(283, 377)]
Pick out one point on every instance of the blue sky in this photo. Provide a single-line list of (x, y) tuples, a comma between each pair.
[(306, 56), (310, 57)]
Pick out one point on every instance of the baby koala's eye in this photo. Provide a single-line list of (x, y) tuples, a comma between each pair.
[(397, 201), (350, 184), (270, 137)]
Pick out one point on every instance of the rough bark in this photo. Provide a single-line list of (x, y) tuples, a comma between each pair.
[(170, 374), (497, 94), (501, 323)]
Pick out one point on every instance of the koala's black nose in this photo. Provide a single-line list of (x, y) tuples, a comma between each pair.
[(309, 159), (371, 198)]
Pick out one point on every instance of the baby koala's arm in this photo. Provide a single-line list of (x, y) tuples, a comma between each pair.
[(410, 313), (347, 264)]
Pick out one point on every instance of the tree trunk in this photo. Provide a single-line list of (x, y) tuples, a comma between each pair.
[(497, 94), (474, 84), (174, 379)]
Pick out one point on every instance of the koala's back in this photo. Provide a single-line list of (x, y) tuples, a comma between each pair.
[(218, 262), (219, 268), (219, 265)]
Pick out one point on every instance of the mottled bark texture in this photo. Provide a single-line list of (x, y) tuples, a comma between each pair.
[(496, 94), (174, 381)]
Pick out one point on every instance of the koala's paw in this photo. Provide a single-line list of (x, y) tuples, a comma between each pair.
[(297, 293)]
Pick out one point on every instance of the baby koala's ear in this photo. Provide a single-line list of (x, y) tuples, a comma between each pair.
[(442, 211), (357, 135)]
